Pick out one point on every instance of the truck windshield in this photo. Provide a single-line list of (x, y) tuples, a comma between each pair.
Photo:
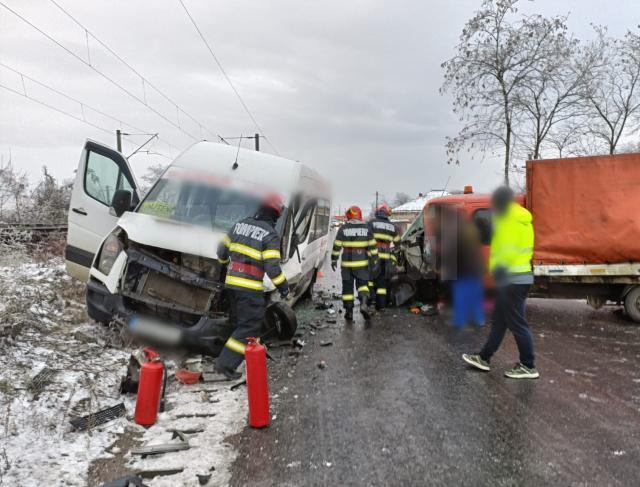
[(200, 204)]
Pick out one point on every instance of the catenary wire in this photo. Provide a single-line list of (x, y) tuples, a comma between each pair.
[(85, 105), (219, 64), (105, 76), (145, 81)]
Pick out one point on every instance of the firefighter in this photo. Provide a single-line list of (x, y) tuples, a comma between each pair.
[(250, 249), (510, 264), (358, 247), (385, 234)]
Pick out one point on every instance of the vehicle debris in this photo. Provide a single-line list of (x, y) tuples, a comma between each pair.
[(127, 481), (160, 472), (100, 417), (188, 377), (203, 479), (236, 386), (159, 449), (39, 381), (322, 364), (326, 344)]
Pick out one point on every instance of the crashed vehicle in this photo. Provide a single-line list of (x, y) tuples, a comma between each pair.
[(150, 263)]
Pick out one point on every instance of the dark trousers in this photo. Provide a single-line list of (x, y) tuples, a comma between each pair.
[(247, 310), (381, 284), (509, 314), (361, 278)]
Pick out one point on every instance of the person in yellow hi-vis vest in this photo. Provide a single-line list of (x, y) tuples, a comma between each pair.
[(510, 265)]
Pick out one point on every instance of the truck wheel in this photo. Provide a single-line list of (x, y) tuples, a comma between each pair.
[(632, 304), (281, 321)]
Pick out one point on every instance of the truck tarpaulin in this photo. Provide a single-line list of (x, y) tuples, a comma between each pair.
[(586, 210)]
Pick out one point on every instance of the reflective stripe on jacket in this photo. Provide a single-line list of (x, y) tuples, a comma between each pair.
[(385, 234), (512, 240), (356, 243), (252, 248)]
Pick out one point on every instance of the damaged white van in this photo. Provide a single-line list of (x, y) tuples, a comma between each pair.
[(151, 264)]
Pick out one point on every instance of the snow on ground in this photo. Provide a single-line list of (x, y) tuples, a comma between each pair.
[(43, 323)]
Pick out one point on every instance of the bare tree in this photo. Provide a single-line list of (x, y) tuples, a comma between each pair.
[(496, 57), (152, 174), (612, 91), (13, 191), (401, 199), (553, 95)]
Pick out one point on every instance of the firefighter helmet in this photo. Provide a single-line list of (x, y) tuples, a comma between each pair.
[(354, 213), (273, 201), (383, 209)]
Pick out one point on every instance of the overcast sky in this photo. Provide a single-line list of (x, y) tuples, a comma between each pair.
[(348, 87)]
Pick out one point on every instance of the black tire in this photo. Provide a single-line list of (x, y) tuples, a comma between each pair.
[(280, 321), (632, 304)]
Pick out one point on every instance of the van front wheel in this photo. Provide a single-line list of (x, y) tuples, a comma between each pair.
[(280, 321), (632, 304)]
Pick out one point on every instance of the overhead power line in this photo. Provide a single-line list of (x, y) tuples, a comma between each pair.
[(217, 61), (105, 76), (82, 104), (145, 81)]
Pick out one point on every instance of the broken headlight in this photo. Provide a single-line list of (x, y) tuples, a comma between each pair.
[(109, 253)]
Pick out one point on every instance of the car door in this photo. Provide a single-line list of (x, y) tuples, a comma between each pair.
[(101, 171)]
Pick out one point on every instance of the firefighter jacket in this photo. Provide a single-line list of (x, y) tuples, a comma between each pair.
[(251, 249), (512, 241), (385, 234), (357, 244)]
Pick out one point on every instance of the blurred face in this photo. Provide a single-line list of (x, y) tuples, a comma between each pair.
[(500, 201)]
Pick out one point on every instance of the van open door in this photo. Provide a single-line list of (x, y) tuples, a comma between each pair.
[(104, 188)]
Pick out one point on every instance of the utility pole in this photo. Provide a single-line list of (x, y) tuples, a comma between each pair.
[(119, 140), (257, 137), (376, 199)]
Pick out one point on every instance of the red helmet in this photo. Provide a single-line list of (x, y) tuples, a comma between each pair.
[(354, 213), (384, 208), (273, 201)]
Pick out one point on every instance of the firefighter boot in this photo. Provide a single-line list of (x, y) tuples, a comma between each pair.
[(348, 314), (364, 307)]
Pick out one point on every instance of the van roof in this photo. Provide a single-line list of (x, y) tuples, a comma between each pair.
[(260, 168)]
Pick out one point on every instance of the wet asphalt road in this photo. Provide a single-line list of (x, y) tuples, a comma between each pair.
[(396, 405)]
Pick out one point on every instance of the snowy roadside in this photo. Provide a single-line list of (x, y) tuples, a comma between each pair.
[(43, 323)]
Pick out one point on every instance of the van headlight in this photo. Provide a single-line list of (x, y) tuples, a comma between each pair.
[(109, 253)]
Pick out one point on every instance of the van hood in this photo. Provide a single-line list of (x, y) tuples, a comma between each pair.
[(172, 235)]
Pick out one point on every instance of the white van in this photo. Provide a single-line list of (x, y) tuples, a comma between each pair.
[(151, 263)]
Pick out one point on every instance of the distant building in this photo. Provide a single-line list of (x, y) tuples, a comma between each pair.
[(404, 214)]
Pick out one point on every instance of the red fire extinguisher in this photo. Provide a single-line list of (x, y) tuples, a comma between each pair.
[(255, 356), (150, 388)]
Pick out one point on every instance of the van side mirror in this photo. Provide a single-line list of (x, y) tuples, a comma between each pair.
[(121, 201)]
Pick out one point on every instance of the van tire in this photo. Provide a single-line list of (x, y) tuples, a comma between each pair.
[(632, 304), (282, 320)]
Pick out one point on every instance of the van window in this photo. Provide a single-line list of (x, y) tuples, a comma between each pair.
[(101, 178), (482, 220), (321, 220), (303, 226), (199, 204)]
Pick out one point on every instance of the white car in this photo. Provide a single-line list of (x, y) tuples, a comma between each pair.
[(152, 265)]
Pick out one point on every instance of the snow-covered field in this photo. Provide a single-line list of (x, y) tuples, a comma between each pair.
[(43, 323)]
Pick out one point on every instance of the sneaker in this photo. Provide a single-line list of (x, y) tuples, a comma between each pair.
[(476, 361), (522, 372)]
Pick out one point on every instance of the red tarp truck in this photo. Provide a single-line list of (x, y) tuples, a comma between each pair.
[(586, 217)]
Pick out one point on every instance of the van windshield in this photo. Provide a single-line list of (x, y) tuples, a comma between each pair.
[(200, 204)]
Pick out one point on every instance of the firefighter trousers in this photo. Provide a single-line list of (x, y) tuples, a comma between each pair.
[(359, 277), (379, 286), (247, 310)]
